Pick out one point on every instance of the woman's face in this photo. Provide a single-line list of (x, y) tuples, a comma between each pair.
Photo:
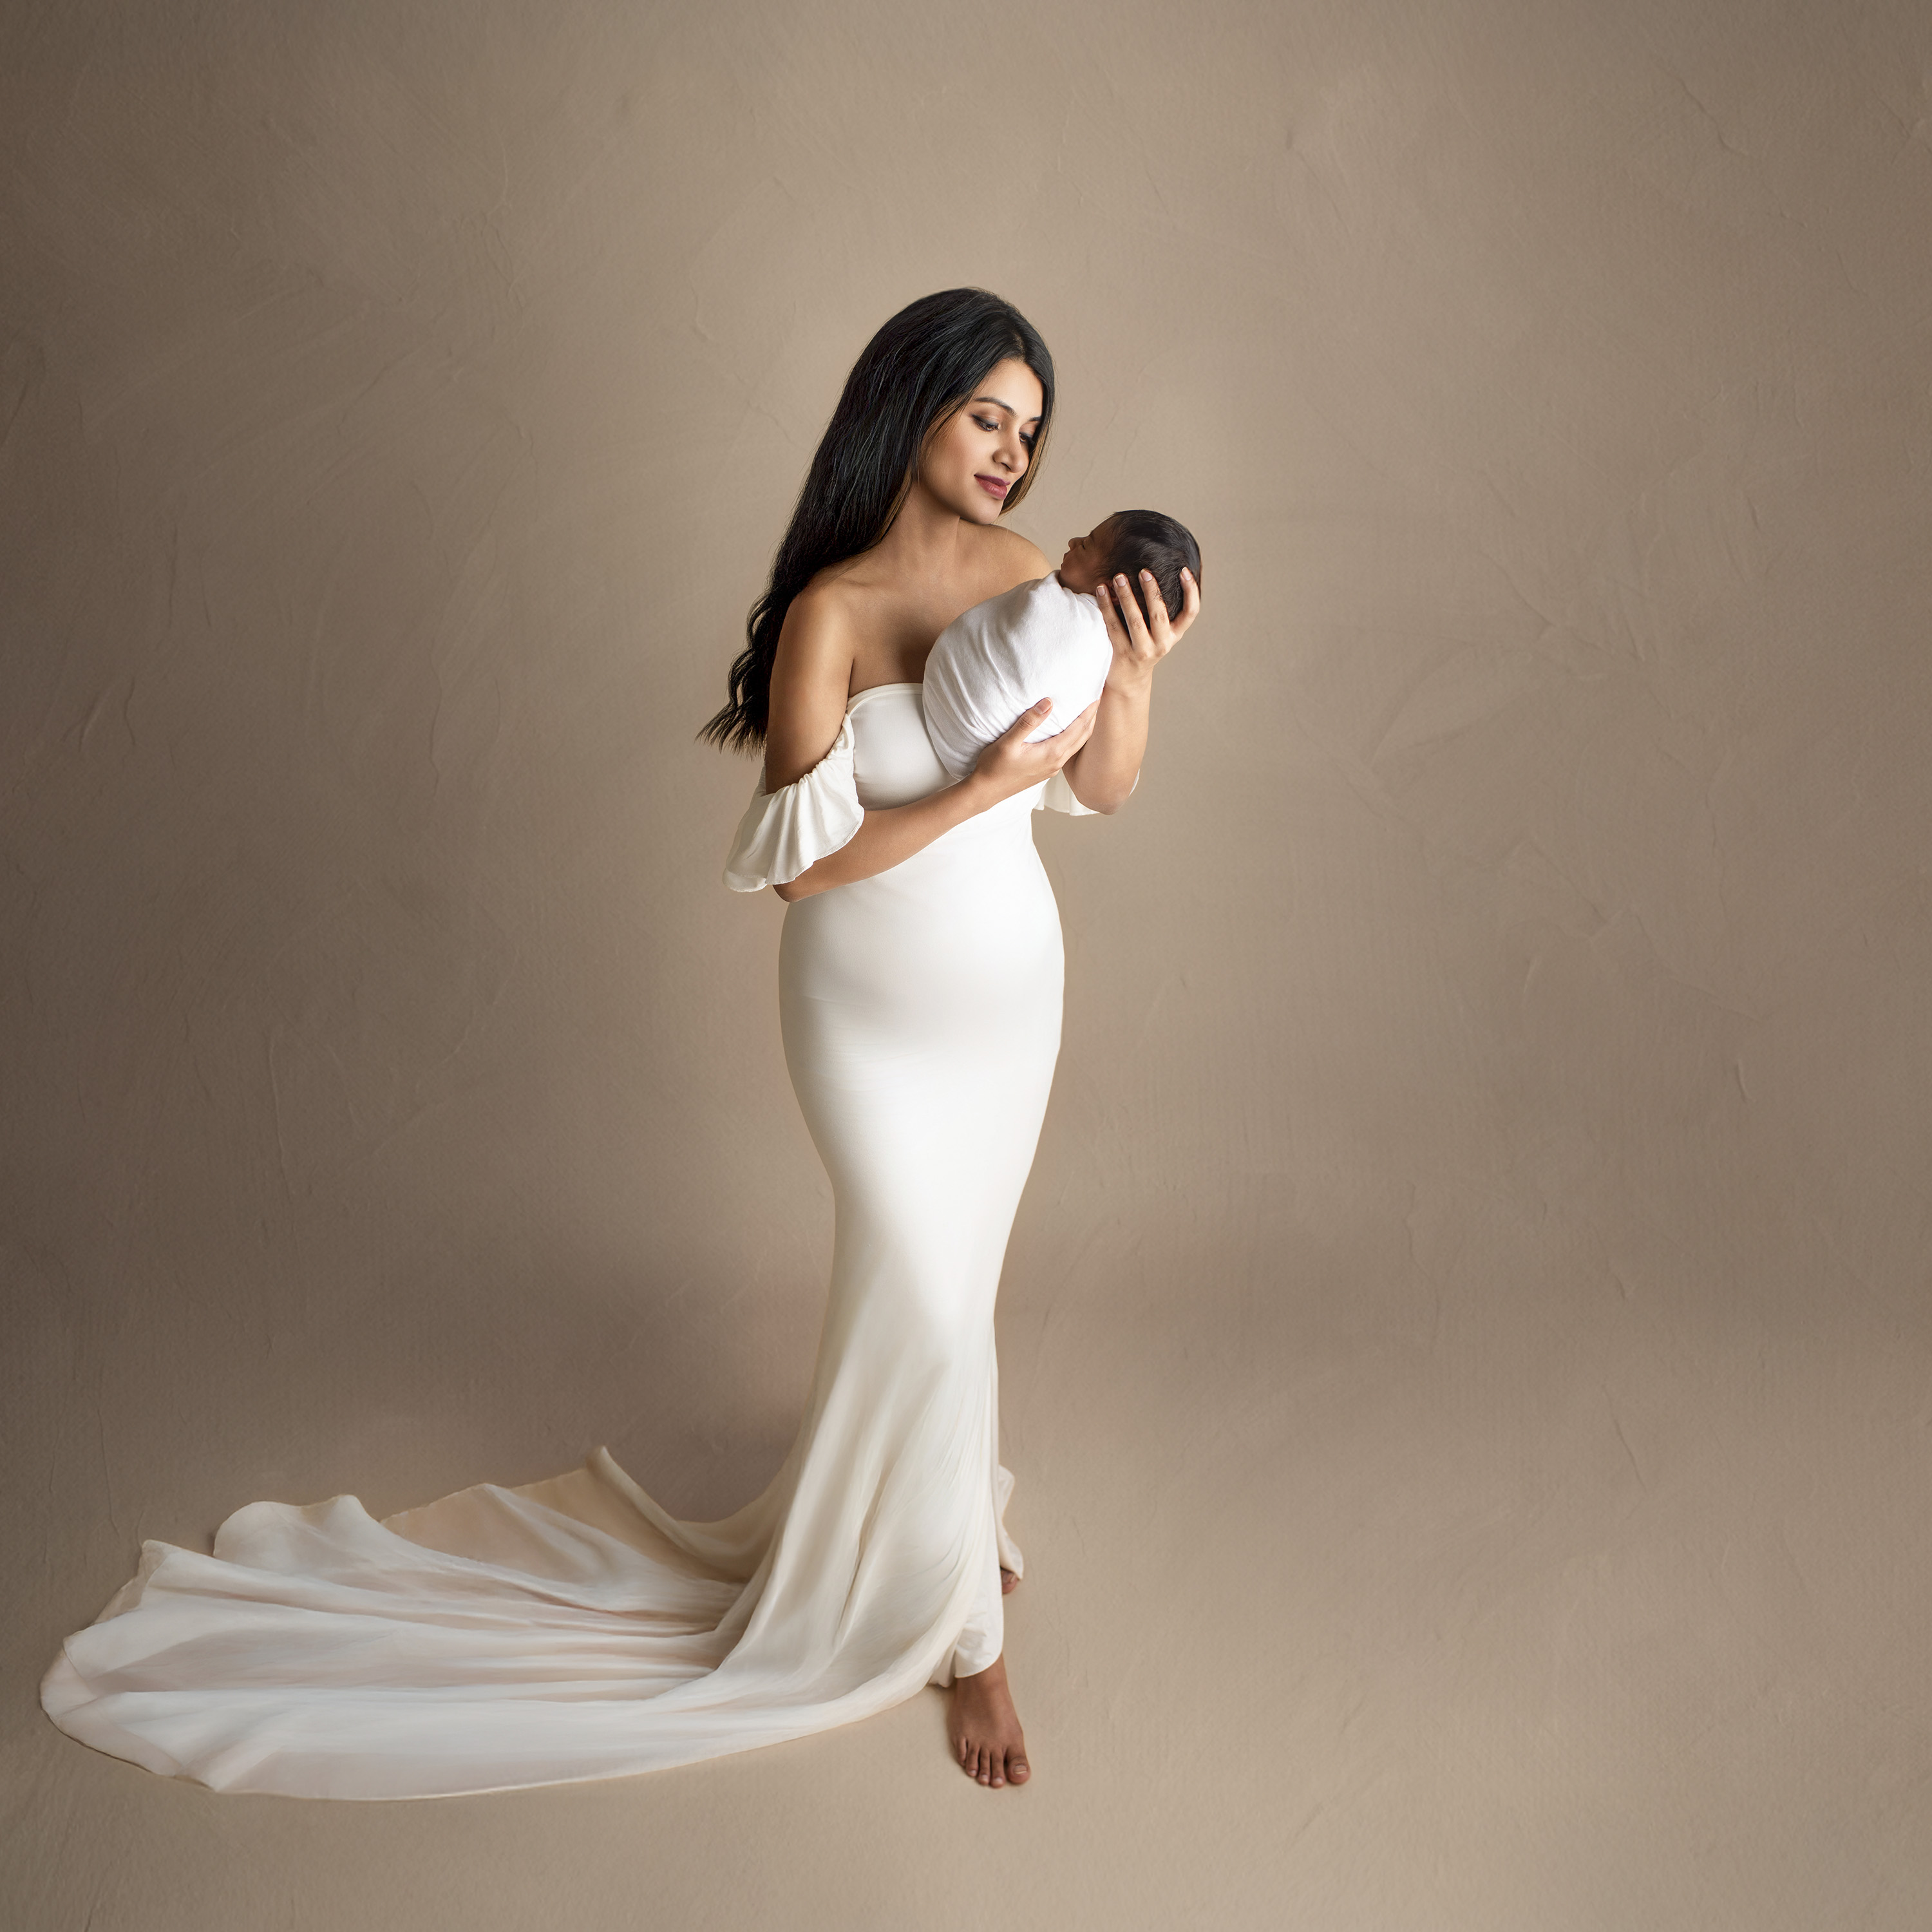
[(974, 459)]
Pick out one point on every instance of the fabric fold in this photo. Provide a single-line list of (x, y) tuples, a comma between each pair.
[(1057, 795), (784, 832)]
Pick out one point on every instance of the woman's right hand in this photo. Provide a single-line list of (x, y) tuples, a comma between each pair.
[(1009, 764)]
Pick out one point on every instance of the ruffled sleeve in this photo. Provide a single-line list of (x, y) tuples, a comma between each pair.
[(784, 831), (1057, 795)]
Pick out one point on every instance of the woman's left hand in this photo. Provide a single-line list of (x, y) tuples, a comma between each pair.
[(1103, 772), (1139, 644)]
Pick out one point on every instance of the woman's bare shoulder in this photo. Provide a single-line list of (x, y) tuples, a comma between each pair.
[(1006, 558), (835, 603), (812, 671), (815, 641)]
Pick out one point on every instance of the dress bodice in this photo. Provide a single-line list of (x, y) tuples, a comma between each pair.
[(893, 762)]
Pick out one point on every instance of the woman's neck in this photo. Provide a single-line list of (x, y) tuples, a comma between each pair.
[(924, 540)]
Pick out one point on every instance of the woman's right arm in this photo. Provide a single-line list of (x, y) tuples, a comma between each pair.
[(811, 675)]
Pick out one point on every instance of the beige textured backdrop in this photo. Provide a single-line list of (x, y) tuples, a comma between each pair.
[(1467, 1343)]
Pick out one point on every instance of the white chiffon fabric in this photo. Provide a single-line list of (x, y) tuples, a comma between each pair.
[(570, 1629), (783, 832)]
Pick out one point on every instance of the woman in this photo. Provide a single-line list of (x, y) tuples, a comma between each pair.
[(570, 1629)]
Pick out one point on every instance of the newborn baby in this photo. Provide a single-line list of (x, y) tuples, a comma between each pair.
[(1046, 639)]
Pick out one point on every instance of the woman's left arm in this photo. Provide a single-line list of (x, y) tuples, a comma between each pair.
[(1103, 772)]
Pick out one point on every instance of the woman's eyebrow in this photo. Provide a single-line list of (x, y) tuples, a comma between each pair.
[(998, 404)]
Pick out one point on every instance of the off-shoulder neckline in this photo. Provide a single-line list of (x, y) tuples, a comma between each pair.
[(903, 684)]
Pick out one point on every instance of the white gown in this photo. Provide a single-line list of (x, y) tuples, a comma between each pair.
[(570, 1629)]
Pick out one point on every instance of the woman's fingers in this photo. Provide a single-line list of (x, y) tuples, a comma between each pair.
[(1013, 760), (1029, 720), (1131, 632), (1016, 764), (1160, 639), (1063, 745), (1130, 615), (1160, 626), (1190, 605), (1076, 734)]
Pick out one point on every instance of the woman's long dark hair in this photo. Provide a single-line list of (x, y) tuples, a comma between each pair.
[(913, 374)]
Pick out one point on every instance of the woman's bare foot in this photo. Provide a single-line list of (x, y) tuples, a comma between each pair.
[(1010, 1581), (985, 1729)]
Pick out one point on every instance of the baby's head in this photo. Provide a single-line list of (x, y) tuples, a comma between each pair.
[(1129, 542)]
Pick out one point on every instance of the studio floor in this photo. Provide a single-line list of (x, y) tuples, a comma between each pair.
[(1520, 1600)]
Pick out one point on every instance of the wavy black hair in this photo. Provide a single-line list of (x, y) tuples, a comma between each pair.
[(919, 368)]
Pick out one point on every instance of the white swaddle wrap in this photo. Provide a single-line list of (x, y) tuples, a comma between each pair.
[(1038, 640)]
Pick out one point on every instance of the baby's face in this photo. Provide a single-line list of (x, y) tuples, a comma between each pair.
[(1085, 563)]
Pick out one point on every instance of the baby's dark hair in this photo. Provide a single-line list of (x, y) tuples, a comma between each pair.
[(1146, 540)]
